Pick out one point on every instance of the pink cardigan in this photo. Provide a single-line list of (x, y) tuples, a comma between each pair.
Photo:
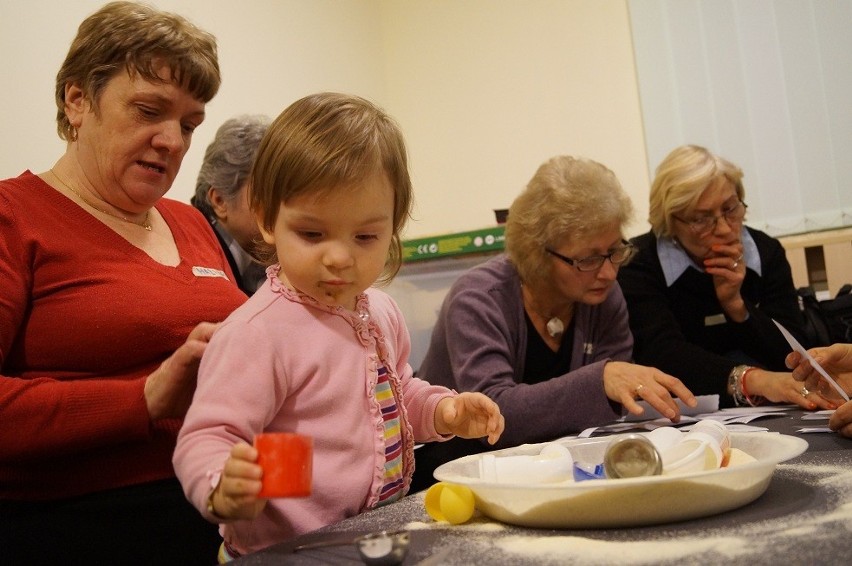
[(283, 362)]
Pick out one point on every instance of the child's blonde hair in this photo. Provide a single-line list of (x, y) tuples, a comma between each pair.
[(325, 141)]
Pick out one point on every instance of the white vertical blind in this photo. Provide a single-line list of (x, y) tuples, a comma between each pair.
[(766, 84)]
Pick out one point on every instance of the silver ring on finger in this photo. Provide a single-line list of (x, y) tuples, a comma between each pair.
[(805, 391)]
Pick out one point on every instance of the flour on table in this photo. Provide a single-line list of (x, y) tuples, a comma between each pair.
[(666, 546), (593, 551), (480, 524)]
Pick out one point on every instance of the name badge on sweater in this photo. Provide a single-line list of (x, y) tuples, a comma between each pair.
[(714, 320), (208, 272)]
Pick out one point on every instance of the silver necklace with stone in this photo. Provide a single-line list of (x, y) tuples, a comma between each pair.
[(554, 326)]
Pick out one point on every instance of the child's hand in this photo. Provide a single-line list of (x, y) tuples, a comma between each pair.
[(469, 415), (236, 495)]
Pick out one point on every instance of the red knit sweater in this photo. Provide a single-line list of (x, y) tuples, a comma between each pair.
[(84, 317)]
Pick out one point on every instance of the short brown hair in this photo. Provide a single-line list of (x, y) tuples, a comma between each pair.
[(324, 141), (137, 38), (567, 199)]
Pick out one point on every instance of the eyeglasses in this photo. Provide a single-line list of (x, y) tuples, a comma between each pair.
[(595, 262), (705, 224)]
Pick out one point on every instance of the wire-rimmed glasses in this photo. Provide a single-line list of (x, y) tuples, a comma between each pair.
[(707, 223), (617, 256)]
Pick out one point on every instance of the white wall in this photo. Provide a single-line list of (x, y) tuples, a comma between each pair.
[(271, 53), (485, 90)]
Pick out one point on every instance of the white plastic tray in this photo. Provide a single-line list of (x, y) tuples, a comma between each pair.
[(624, 502)]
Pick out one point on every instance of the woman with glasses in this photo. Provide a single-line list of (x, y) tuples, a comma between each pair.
[(542, 329), (704, 288)]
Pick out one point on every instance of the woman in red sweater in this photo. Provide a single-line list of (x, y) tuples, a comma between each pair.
[(108, 295)]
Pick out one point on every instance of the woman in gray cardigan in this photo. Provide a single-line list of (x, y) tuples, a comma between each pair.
[(543, 329)]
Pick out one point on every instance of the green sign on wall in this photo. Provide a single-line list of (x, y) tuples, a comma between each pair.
[(475, 241)]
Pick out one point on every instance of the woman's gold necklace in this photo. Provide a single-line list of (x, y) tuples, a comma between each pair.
[(144, 224)]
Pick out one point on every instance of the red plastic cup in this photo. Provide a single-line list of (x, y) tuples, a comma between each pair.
[(287, 462)]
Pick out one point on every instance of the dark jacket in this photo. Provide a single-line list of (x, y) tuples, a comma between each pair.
[(240, 280), (679, 329)]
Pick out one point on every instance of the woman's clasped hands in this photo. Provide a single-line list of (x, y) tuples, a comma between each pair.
[(728, 268)]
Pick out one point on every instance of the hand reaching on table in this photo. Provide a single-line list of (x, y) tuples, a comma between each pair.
[(625, 382), (236, 495), (469, 415), (780, 387)]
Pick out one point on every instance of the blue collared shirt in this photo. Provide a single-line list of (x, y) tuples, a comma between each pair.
[(674, 259)]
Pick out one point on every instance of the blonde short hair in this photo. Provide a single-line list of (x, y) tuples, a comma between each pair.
[(568, 198), (680, 180), (136, 38), (322, 142)]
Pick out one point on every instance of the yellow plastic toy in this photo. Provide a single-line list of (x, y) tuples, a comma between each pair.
[(450, 502)]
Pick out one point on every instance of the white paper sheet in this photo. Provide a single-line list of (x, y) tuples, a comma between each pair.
[(706, 404), (799, 348)]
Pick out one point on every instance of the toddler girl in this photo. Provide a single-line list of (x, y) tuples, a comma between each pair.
[(316, 350)]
